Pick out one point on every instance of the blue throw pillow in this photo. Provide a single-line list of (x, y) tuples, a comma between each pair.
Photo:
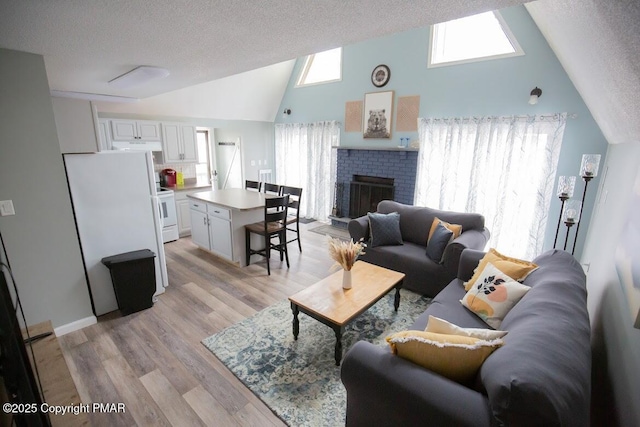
[(385, 229), (438, 242)]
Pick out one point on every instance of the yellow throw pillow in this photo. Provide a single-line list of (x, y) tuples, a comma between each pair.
[(456, 229), (494, 295), (455, 357), (515, 268)]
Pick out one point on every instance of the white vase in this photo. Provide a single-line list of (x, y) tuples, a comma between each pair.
[(346, 279)]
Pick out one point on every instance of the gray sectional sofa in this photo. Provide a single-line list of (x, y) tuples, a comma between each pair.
[(423, 275), (539, 377)]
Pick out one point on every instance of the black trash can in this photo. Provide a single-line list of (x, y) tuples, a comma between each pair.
[(134, 279)]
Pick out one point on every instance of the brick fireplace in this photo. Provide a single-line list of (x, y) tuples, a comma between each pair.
[(394, 165)]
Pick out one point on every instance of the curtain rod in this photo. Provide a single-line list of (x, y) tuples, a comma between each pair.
[(517, 116)]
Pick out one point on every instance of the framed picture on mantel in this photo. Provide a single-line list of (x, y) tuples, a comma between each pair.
[(377, 115)]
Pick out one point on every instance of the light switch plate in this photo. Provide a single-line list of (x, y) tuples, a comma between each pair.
[(6, 208)]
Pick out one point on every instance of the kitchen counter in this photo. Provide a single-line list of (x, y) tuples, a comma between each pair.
[(218, 219), (189, 184), (233, 198)]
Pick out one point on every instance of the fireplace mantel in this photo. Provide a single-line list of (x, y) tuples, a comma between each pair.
[(359, 147)]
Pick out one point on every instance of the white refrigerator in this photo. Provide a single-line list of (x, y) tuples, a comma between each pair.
[(116, 209)]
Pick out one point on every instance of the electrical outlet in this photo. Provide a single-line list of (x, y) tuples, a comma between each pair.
[(6, 208), (253, 162)]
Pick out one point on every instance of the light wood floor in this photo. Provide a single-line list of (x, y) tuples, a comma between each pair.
[(153, 361)]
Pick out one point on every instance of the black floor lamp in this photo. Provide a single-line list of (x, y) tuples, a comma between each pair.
[(588, 170), (571, 217), (566, 185)]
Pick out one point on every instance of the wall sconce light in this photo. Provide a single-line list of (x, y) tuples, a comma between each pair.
[(535, 94), (286, 112)]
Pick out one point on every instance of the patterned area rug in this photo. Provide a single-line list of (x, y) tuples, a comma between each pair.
[(338, 233), (299, 380)]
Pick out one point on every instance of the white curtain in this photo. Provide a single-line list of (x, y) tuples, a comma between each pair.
[(304, 158), (501, 167)]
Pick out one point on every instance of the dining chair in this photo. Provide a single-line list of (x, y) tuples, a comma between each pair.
[(293, 218), (275, 214), (252, 185), (271, 188)]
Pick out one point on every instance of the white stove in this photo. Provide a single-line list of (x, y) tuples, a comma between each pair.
[(168, 215)]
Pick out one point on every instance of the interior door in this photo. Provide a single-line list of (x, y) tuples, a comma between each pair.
[(229, 161)]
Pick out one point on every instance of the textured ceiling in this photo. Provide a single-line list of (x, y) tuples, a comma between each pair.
[(86, 43), (598, 44)]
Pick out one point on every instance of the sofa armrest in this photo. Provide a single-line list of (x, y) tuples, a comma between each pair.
[(359, 228), (470, 239), (386, 390)]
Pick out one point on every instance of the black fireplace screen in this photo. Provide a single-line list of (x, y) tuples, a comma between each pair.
[(366, 192)]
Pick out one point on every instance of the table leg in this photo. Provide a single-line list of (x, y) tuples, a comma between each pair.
[(338, 349), (296, 322), (396, 300)]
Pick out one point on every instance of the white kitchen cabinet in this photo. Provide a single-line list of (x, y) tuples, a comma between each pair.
[(199, 229), (220, 236), (183, 212), (135, 130), (179, 143), (211, 228)]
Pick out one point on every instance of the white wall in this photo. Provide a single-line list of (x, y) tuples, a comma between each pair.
[(41, 240), (616, 344)]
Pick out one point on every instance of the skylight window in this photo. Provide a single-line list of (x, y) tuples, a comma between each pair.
[(322, 67), (474, 38)]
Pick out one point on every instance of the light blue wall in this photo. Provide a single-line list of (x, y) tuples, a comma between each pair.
[(497, 87)]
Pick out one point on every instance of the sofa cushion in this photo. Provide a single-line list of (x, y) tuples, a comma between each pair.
[(438, 241), (542, 373), (515, 268), (446, 305), (493, 295), (453, 356), (441, 326), (385, 229), (416, 221)]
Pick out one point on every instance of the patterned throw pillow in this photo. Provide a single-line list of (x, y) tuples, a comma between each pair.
[(515, 268), (441, 326), (438, 242), (385, 229), (455, 357), (493, 295)]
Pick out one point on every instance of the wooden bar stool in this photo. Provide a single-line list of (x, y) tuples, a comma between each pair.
[(271, 188), (275, 214), (293, 212), (252, 185)]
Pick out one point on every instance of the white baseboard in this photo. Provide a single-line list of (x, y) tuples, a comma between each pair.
[(74, 326)]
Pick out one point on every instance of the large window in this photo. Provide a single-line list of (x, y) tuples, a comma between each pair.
[(474, 38), (501, 167), (322, 67)]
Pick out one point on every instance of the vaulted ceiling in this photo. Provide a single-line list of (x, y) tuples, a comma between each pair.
[(214, 46)]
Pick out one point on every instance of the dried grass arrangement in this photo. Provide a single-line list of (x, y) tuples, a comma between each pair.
[(344, 253)]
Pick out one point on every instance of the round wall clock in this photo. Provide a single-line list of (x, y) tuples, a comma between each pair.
[(380, 75)]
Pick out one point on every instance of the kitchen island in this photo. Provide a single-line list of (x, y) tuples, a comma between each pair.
[(218, 218)]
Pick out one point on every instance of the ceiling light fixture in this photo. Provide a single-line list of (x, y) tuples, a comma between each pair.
[(535, 94), (138, 76)]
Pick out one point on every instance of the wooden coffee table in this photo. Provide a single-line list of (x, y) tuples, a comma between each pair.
[(328, 303)]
